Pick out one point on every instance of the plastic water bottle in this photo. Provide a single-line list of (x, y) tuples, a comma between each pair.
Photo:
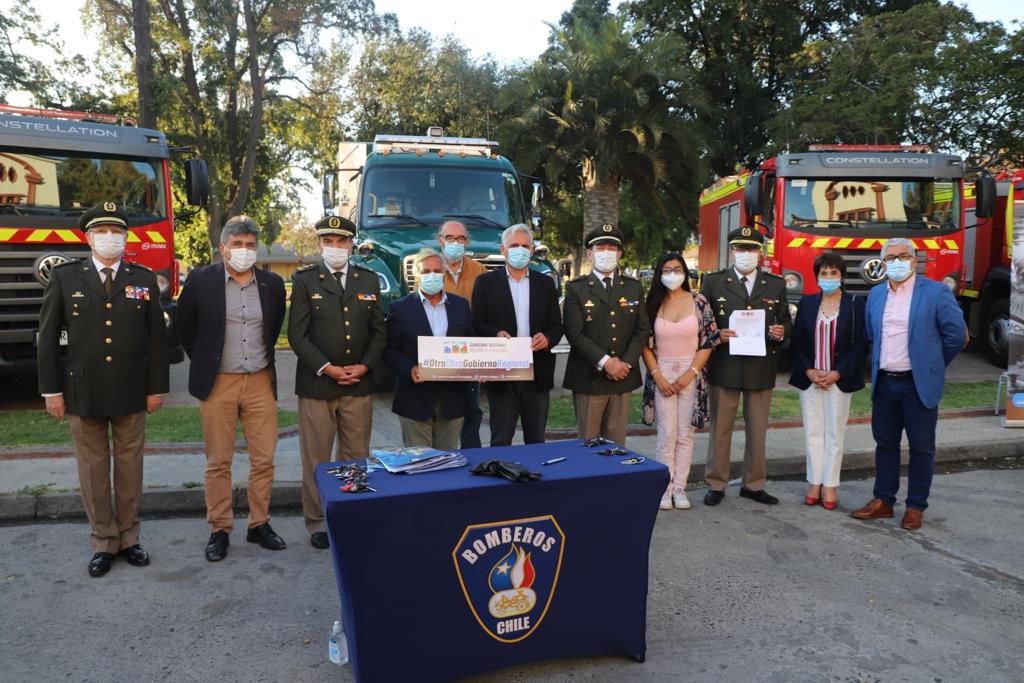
[(337, 645)]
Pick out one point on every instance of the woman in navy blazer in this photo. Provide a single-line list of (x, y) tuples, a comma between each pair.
[(828, 350)]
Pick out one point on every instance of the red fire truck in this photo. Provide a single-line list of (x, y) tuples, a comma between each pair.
[(843, 198), (53, 166), (988, 242)]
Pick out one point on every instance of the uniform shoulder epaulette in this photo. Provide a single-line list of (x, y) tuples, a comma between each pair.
[(135, 264), (362, 267), (629, 277), (773, 275), (579, 277), (303, 269), (69, 262)]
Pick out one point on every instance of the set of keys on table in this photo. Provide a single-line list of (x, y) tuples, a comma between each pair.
[(353, 478)]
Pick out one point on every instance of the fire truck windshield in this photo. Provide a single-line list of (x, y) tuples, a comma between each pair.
[(429, 195), (911, 204), (49, 185)]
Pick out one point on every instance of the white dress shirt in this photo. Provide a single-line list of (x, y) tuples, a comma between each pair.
[(520, 290), (751, 276), (437, 316)]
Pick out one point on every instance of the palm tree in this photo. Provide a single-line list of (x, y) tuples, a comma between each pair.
[(600, 112)]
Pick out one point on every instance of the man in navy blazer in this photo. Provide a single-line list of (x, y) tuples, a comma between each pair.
[(229, 316), (513, 302), (916, 329), (430, 413)]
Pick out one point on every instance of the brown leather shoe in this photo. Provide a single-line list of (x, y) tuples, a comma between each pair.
[(875, 509), (912, 519)]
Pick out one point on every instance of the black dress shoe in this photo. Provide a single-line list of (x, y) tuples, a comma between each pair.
[(266, 537), (217, 547), (760, 496), (100, 564), (319, 540), (135, 555), (714, 497)]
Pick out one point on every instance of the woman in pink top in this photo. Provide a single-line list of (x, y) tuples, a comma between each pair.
[(675, 394)]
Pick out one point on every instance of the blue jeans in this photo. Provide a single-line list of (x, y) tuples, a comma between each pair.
[(896, 408), (470, 436)]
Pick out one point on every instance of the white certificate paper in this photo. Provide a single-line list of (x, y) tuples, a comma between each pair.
[(749, 339)]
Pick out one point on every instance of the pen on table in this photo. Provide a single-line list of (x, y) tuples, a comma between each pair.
[(552, 461)]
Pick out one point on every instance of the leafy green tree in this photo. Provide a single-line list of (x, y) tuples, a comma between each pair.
[(403, 84), (596, 111), (740, 52), (931, 74)]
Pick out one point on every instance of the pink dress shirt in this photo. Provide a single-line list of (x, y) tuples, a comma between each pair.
[(894, 352)]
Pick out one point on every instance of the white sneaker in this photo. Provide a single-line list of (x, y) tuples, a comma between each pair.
[(666, 501), (680, 501)]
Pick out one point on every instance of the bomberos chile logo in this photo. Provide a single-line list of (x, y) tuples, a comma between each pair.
[(508, 571)]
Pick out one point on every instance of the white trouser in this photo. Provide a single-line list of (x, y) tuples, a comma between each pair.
[(673, 416), (825, 413)]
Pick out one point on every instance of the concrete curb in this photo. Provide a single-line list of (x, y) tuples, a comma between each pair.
[(287, 496)]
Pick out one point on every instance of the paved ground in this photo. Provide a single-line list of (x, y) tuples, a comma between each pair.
[(737, 593)]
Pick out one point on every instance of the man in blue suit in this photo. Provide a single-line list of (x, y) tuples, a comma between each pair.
[(430, 413), (916, 329)]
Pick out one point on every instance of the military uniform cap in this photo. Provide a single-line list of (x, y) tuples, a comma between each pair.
[(746, 235), (605, 234), (335, 225), (107, 213)]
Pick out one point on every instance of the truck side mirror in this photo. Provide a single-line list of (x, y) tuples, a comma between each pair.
[(330, 179), (197, 182), (984, 196), (535, 197), (753, 195)]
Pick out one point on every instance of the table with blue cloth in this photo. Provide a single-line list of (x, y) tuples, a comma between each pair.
[(446, 574)]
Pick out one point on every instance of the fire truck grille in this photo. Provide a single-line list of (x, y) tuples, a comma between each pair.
[(24, 270)]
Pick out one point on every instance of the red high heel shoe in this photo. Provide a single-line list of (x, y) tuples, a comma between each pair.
[(829, 504), (810, 500)]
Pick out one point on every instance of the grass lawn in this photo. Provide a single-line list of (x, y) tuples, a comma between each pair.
[(786, 403), (282, 338), (20, 428)]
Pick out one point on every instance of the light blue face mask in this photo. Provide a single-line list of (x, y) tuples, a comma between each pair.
[(518, 257), (898, 271), (828, 285), (431, 283), (454, 251)]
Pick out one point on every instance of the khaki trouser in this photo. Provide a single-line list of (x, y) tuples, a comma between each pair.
[(602, 415), (724, 402), (435, 432), (112, 527), (350, 418), (249, 398)]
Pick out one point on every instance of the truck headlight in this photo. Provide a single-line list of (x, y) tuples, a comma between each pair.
[(794, 282), (163, 282), (167, 320), (385, 286)]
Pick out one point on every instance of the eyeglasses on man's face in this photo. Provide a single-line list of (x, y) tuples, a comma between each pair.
[(452, 239), (904, 257)]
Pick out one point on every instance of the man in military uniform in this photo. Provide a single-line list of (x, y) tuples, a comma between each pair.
[(606, 325), (743, 287), (114, 372), (336, 327)]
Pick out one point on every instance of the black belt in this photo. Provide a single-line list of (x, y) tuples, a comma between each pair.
[(897, 373)]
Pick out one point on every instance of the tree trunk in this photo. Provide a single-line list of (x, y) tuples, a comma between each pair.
[(600, 206), (144, 63), (241, 196)]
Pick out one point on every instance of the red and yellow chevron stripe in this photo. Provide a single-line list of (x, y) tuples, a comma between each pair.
[(69, 236), (867, 243)]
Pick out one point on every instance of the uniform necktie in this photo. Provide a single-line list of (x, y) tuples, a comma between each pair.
[(743, 281), (337, 276), (108, 280), (607, 283)]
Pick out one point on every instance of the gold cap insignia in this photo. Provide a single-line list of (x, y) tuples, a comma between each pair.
[(334, 222), (746, 232), (110, 206), (607, 227)]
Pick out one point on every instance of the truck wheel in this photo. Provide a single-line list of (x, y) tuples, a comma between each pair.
[(997, 333)]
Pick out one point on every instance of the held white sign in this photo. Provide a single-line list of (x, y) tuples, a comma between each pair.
[(486, 359)]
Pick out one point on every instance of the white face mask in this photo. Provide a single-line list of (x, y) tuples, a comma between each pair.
[(745, 261), (673, 281), (605, 261), (108, 245), (241, 259), (335, 257)]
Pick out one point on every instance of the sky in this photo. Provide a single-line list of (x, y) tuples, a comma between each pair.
[(510, 32)]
